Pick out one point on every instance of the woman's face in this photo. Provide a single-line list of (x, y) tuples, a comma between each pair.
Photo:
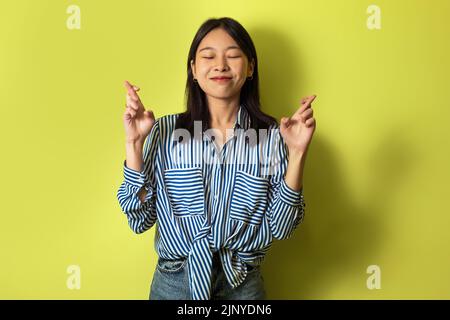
[(218, 55)]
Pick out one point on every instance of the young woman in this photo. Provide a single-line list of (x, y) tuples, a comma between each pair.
[(221, 180)]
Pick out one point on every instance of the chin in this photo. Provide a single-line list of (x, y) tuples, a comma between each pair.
[(221, 96), (220, 92)]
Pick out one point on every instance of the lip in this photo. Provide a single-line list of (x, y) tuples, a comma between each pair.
[(221, 79)]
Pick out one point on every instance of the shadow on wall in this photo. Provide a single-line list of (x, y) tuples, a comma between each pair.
[(334, 240), (339, 237)]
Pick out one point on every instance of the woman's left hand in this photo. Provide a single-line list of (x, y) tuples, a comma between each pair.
[(297, 131)]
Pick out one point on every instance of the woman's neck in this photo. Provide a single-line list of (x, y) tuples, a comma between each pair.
[(223, 113)]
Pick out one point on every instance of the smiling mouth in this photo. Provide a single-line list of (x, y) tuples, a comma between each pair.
[(221, 79)]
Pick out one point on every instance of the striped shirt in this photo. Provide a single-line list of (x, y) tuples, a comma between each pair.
[(233, 200)]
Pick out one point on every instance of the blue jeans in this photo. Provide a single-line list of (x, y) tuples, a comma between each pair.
[(171, 282)]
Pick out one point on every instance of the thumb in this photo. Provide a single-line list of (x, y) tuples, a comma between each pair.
[(284, 122), (148, 113)]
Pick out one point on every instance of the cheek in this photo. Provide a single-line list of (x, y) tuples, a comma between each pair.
[(240, 69), (203, 69)]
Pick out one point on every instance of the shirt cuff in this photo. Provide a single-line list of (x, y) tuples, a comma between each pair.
[(132, 176), (290, 196)]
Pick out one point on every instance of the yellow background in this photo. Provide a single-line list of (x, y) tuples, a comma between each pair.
[(376, 179)]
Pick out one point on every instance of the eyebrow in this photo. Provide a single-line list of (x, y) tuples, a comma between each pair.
[(211, 48)]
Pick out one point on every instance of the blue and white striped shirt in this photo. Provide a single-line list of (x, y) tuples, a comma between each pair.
[(234, 201)]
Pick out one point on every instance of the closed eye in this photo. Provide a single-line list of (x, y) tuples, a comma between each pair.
[(228, 57)]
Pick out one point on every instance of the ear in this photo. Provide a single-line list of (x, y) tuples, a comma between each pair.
[(251, 67), (193, 67)]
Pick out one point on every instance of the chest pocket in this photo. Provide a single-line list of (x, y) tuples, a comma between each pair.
[(249, 198), (185, 191)]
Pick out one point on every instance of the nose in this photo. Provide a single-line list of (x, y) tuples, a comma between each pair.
[(221, 65)]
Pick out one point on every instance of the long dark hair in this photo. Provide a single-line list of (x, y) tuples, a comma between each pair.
[(197, 106)]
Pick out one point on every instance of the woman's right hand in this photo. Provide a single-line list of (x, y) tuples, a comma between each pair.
[(137, 121)]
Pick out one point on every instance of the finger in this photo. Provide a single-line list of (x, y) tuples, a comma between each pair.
[(310, 99), (133, 95), (127, 116), (303, 100), (306, 104), (307, 113), (131, 91), (137, 105), (310, 122), (131, 103), (150, 113), (127, 85), (131, 112), (284, 123), (300, 110)]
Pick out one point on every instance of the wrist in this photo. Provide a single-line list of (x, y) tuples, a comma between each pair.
[(297, 156), (134, 144)]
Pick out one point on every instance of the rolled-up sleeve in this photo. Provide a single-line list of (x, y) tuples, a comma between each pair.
[(286, 207), (141, 215)]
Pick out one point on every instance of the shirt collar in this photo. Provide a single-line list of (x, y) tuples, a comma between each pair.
[(242, 119)]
